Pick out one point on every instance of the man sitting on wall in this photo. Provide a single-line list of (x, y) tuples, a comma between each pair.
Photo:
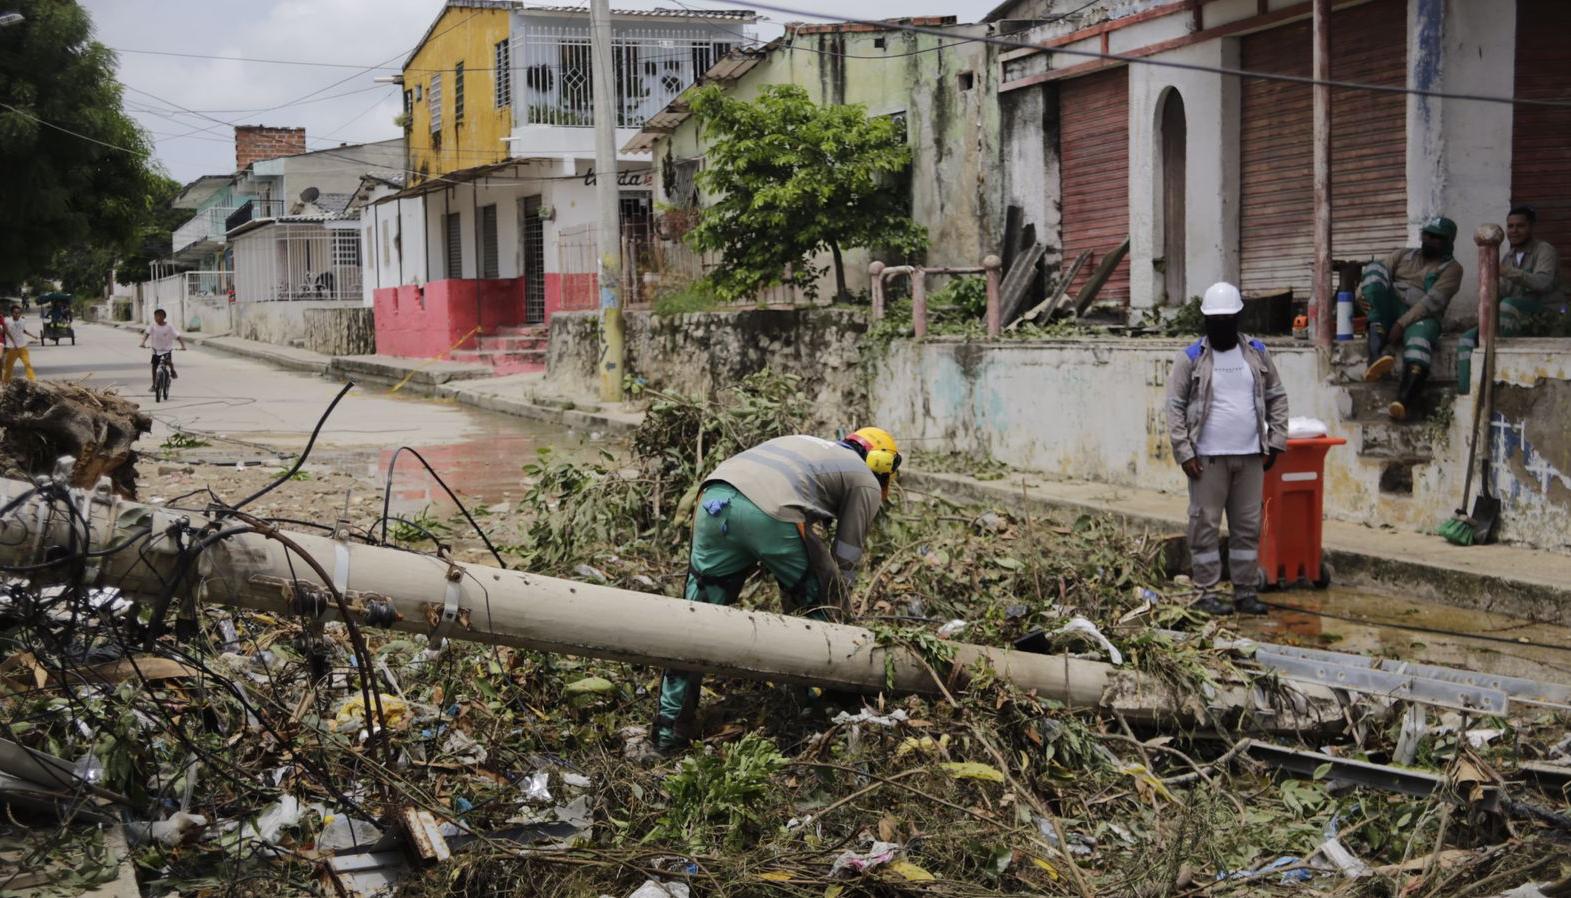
[(1529, 287), (1406, 295)]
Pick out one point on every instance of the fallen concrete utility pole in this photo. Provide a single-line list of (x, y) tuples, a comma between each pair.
[(385, 587)]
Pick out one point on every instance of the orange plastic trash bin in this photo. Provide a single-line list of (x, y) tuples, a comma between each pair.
[(1290, 529)]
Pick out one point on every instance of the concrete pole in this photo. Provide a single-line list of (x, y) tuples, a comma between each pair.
[(1322, 309), (613, 352), (990, 266), (918, 302), (877, 287), (385, 587)]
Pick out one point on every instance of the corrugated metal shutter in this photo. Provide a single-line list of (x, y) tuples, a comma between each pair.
[(1541, 135), (1093, 152), (490, 257), (455, 246), (1368, 147)]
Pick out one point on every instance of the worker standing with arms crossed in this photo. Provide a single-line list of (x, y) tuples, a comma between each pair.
[(759, 507), (1227, 418)]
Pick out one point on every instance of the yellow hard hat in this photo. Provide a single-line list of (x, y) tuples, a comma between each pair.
[(883, 456)]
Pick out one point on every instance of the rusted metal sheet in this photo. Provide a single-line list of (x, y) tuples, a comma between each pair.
[(1093, 147), (1368, 147), (1541, 135)]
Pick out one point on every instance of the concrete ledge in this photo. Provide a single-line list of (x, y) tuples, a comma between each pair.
[(419, 376), (526, 396), (283, 356), (1525, 583)]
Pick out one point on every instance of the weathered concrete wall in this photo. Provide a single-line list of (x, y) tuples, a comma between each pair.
[(279, 323), (1093, 410), (343, 330), (703, 353)]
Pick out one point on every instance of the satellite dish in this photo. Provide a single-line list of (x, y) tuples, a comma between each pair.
[(309, 195)]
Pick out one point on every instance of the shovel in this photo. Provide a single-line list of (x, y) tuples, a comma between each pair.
[(1486, 508)]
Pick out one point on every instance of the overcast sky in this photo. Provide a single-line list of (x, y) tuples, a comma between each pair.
[(333, 104)]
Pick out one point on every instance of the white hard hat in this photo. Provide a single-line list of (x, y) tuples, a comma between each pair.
[(1222, 298)]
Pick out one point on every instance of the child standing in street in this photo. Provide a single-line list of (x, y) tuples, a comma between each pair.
[(16, 336)]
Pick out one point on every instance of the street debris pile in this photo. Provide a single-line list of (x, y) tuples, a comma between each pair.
[(41, 421), (272, 754)]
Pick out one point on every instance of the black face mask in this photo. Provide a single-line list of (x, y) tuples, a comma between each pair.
[(1222, 331)]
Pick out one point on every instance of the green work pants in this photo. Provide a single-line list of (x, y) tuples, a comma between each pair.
[(1419, 339), (732, 537), (1515, 311)]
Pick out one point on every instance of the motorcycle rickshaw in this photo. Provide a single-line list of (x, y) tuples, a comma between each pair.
[(56, 308)]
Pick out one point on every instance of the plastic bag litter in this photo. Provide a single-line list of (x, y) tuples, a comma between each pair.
[(1306, 428), (340, 831), (851, 862), (1079, 624), (350, 715), (952, 629), (170, 832), (537, 787), (868, 715), (653, 888)]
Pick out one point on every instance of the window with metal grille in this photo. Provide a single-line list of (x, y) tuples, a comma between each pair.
[(458, 93), (434, 99), (504, 74), (490, 256), (346, 248), (455, 245)]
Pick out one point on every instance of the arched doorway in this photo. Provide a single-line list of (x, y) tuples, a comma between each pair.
[(1174, 132)]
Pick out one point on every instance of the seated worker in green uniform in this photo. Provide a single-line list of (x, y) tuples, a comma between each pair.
[(758, 508), (1406, 295), (1529, 286)]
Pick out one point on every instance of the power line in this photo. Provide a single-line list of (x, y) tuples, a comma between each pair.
[(25, 114)]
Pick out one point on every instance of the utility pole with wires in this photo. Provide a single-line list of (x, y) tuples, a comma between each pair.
[(612, 348)]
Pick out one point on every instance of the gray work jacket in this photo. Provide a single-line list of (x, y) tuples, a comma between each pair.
[(1189, 396)]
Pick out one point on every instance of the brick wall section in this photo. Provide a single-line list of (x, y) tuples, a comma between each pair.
[(253, 143)]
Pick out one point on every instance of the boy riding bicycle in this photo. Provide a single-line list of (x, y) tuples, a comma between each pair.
[(164, 337)]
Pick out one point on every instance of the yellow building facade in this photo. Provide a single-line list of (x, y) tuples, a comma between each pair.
[(458, 91)]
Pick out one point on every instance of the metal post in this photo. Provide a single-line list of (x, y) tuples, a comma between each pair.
[(877, 271), (991, 265), (1322, 310), (1488, 237), (612, 350), (919, 302)]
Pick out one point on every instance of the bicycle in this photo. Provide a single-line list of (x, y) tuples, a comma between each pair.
[(161, 377)]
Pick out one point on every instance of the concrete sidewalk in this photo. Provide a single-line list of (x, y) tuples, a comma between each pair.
[(1525, 583)]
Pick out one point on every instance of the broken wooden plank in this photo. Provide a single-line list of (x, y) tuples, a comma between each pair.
[(1020, 276), (1047, 307), (1103, 271)]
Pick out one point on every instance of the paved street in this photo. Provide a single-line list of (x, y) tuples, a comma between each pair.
[(226, 396)]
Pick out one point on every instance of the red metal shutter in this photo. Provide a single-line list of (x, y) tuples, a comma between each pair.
[(1093, 151), (1368, 147), (1541, 135)]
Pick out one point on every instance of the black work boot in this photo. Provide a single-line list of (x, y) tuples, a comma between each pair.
[(1381, 358), (1249, 603), (1413, 378), (1212, 604)]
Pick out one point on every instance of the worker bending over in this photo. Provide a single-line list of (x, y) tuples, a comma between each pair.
[(1227, 418), (1407, 294), (759, 508), (1529, 286)]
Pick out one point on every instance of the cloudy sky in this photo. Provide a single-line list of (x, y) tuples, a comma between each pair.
[(189, 104)]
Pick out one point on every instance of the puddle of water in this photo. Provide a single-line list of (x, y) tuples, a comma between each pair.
[(1394, 627), (480, 471)]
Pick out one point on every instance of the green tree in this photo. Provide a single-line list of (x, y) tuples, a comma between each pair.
[(77, 171), (793, 178)]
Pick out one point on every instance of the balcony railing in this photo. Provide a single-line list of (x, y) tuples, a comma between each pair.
[(252, 210), (206, 225), (553, 81)]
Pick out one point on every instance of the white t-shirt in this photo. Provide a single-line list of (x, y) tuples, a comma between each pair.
[(15, 333), (162, 337), (1231, 426)]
